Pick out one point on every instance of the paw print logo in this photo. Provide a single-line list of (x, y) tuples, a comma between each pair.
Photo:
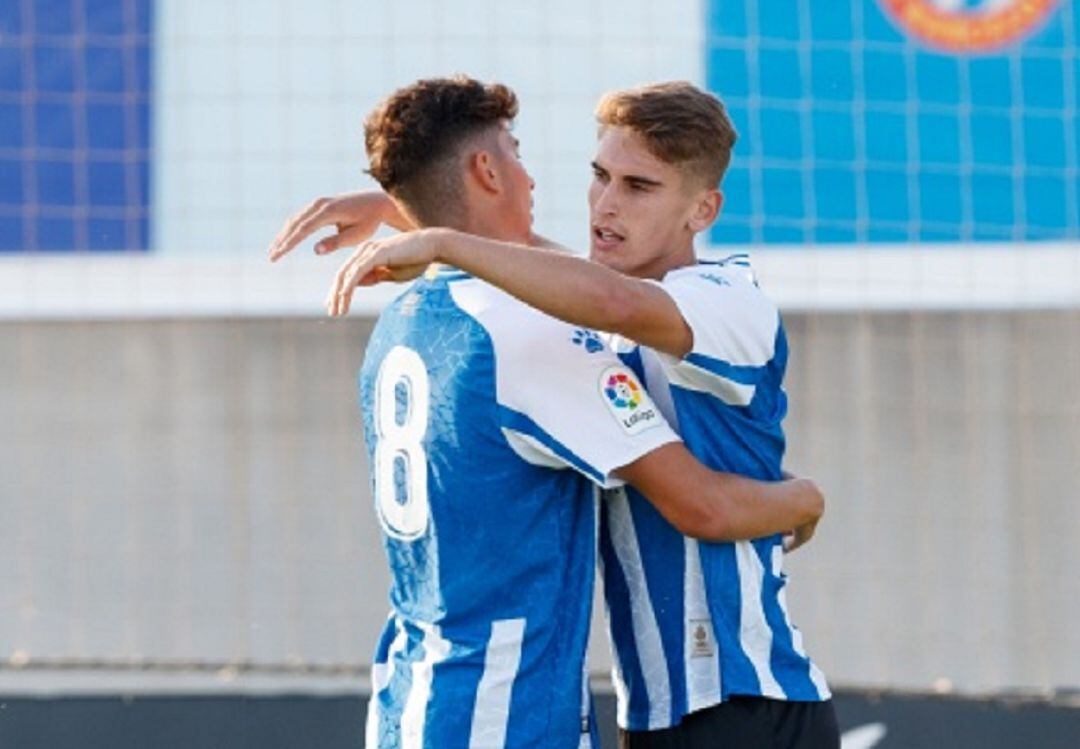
[(587, 338)]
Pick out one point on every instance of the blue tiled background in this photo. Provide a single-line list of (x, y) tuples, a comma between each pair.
[(852, 131), (74, 125)]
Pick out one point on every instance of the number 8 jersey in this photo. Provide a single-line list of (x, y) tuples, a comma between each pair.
[(489, 427)]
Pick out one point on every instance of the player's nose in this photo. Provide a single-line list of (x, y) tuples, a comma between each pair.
[(605, 203)]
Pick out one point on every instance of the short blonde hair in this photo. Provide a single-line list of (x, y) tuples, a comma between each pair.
[(680, 124)]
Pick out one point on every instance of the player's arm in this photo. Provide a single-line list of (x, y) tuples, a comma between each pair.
[(356, 216), (716, 506), (570, 288)]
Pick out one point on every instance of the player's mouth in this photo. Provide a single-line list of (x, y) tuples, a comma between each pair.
[(605, 239)]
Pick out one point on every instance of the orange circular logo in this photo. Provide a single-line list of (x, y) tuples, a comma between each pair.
[(964, 26)]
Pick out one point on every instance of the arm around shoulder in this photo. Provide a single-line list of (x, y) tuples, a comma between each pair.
[(715, 506)]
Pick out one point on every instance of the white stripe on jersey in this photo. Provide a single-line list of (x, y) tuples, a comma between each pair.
[(755, 635), (379, 680), (586, 733), (371, 729), (622, 694), (650, 648), (381, 674), (816, 675), (532, 450), (687, 375), (702, 671), (586, 694), (413, 717), (501, 663)]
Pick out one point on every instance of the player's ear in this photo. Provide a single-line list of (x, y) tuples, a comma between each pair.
[(706, 209), (482, 169)]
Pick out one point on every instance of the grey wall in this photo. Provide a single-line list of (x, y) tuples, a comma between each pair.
[(195, 492)]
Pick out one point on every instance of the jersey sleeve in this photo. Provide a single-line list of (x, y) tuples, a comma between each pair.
[(564, 399), (735, 329)]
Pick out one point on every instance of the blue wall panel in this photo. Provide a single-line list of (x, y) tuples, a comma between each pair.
[(854, 126), (74, 125)]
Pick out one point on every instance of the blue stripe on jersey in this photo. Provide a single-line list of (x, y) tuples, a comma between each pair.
[(740, 373), (617, 595), (664, 563), (519, 422), (791, 670), (721, 572)]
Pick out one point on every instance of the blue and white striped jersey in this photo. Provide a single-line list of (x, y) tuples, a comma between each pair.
[(474, 408), (695, 623)]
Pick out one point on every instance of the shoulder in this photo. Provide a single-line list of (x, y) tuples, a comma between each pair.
[(515, 327), (714, 276), (720, 289)]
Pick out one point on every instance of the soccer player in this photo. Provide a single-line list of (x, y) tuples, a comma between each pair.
[(475, 406), (706, 654)]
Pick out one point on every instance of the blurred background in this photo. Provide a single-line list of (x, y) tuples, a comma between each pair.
[(189, 553)]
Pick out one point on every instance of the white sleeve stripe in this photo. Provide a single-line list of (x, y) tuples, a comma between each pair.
[(515, 421)]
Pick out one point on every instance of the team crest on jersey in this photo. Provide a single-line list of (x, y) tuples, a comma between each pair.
[(701, 638), (627, 400), (969, 25)]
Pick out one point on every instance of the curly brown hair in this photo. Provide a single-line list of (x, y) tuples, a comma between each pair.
[(680, 124), (414, 138)]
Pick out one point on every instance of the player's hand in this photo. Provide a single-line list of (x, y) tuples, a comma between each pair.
[(355, 215), (799, 536), (399, 258), (803, 533)]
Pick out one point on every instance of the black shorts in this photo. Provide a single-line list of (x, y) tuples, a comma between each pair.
[(746, 723)]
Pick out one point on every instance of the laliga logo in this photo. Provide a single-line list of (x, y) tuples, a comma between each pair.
[(627, 402), (622, 391), (969, 25)]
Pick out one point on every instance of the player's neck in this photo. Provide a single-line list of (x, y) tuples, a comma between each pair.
[(493, 228)]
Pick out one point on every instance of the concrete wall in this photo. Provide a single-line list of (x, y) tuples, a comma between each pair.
[(194, 492)]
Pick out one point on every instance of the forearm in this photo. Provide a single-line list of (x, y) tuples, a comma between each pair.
[(392, 215), (570, 288), (743, 508), (538, 240), (716, 506)]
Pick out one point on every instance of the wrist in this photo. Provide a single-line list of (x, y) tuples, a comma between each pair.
[(448, 248), (814, 499), (440, 246)]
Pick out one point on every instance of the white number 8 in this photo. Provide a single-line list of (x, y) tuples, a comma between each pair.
[(406, 517)]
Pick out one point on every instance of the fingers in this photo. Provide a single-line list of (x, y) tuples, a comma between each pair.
[(339, 291), (302, 225), (357, 271), (799, 536), (789, 542), (348, 236)]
